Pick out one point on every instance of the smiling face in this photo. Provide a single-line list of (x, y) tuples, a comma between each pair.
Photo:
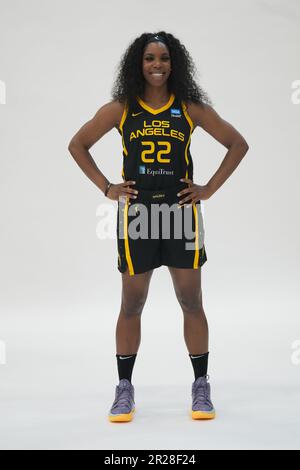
[(156, 63)]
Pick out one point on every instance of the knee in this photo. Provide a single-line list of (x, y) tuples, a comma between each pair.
[(191, 303), (133, 306)]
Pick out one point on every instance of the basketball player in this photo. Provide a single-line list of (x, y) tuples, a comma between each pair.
[(156, 107)]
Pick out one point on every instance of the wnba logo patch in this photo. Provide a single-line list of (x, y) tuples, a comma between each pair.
[(175, 112), (142, 170)]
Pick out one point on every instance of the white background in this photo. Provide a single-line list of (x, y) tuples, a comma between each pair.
[(60, 288)]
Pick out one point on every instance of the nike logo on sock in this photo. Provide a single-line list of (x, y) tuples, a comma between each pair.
[(128, 357), (195, 357)]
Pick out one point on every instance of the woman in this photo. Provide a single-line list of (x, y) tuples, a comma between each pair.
[(155, 108)]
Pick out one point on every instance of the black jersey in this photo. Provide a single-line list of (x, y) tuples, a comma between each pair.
[(156, 144)]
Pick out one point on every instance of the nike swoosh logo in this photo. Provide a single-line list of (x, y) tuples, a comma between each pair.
[(136, 114), (195, 357), (125, 357)]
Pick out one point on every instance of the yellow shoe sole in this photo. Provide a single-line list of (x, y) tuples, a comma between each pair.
[(203, 415), (124, 418)]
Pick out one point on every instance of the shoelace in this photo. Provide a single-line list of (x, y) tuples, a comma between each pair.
[(201, 395), (123, 397)]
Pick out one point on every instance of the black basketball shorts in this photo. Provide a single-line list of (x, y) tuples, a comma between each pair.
[(155, 230)]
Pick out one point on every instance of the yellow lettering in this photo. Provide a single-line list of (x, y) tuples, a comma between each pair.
[(146, 152), (163, 152)]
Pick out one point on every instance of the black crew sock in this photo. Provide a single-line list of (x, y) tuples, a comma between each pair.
[(125, 365), (200, 364)]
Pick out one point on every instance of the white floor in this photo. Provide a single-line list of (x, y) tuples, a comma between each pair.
[(59, 380), (250, 416)]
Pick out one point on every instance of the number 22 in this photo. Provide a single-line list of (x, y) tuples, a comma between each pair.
[(151, 150)]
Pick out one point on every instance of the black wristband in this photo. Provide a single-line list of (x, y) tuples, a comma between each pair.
[(107, 188)]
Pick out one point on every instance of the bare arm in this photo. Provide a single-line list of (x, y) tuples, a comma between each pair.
[(226, 134), (108, 116)]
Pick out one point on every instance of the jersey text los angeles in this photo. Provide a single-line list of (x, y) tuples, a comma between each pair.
[(156, 144)]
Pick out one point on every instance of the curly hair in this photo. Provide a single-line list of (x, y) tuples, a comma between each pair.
[(130, 81)]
